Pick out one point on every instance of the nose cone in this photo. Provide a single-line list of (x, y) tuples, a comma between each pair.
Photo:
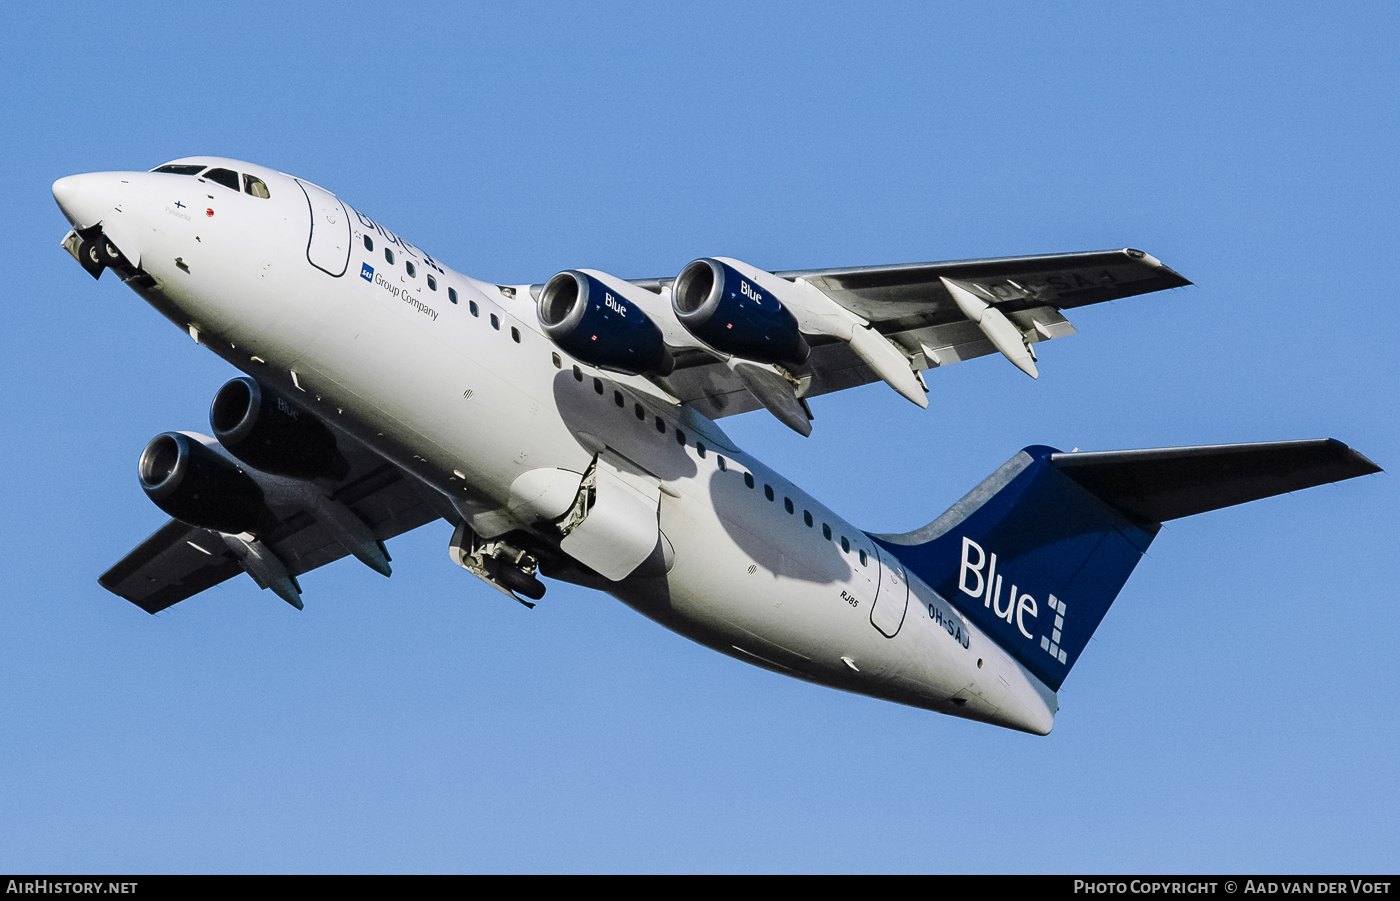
[(86, 199), (66, 190)]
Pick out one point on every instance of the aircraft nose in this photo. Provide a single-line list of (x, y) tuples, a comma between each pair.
[(66, 190), (86, 199)]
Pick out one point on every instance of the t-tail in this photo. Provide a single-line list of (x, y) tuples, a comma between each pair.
[(1036, 553)]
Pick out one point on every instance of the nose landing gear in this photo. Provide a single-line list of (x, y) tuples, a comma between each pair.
[(94, 251), (82, 245), (108, 253)]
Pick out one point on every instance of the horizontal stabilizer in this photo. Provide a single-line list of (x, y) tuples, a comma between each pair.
[(1159, 484)]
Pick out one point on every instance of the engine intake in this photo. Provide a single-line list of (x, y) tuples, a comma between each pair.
[(198, 486), (732, 314), (264, 429), (601, 327)]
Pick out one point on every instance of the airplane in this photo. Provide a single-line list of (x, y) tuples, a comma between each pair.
[(568, 429)]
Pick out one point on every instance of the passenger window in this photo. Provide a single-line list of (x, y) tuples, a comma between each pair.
[(432, 283), (660, 425), (826, 531), (388, 256), (862, 558), (369, 244), (410, 269), (515, 334), (768, 491), (226, 177), (641, 412), (597, 385), (700, 448), (845, 545), (748, 479), (719, 458), (558, 363), (578, 374), (807, 517), (680, 437), (787, 504), (255, 186), (495, 322), (475, 310), (618, 399), (452, 294)]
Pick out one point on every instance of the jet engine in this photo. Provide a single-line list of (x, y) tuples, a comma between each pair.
[(267, 431), (601, 327), (196, 485), (734, 315)]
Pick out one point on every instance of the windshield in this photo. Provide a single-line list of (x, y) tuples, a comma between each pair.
[(179, 169)]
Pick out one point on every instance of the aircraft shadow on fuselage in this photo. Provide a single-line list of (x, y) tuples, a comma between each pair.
[(591, 412), (777, 541)]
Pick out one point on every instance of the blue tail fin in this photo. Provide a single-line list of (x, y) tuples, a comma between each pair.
[(1036, 553)]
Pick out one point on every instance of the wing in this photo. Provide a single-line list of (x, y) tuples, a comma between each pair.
[(933, 314), (180, 560)]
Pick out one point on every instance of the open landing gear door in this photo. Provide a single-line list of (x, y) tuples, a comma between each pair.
[(613, 525)]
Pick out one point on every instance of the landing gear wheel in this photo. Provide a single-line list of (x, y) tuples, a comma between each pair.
[(109, 254), (90, 259)]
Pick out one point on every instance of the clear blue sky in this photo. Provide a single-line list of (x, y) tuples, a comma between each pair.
[(1235, 712)]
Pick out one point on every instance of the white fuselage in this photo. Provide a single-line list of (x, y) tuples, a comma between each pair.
[(468, 396)]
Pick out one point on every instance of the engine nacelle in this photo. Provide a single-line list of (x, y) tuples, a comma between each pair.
[(198, 486), (601, 327), (731, 313), (267, 431)]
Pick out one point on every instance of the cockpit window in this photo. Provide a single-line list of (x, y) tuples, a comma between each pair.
[(180, 169), (226, 177), (255, 186)]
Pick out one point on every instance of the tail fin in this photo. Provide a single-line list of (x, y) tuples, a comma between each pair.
[(1036, 553)]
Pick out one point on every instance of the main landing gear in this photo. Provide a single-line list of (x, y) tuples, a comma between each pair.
[(507, 568)]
